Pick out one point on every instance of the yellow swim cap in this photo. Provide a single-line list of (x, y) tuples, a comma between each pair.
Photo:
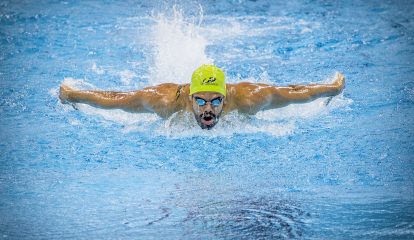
[(208, 78)]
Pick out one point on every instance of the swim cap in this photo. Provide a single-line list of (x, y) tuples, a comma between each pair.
[(208, 78)]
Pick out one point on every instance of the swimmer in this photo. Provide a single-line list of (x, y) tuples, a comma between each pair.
[(207, 96)]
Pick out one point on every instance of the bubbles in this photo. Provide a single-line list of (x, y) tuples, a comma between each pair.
[(318, 107)]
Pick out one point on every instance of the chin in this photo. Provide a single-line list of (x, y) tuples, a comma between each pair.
[(208, 127), (207, 121)]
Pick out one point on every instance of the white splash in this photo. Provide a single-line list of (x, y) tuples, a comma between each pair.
[(184, 125), (178, 48), (77, 83), (316, 108)]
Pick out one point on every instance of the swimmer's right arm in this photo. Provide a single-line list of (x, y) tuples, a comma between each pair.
[(103, 99), (150, 100)]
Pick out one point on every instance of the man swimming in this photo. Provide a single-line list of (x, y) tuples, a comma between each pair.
[(208, 96)]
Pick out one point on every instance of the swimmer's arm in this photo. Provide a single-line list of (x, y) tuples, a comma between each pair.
[(150, 100), (282, 96), (103, 99)]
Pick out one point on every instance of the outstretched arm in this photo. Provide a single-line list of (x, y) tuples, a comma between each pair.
[(157, 99), (282, 96), (252, 98)]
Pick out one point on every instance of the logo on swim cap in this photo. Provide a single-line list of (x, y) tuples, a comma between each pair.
[(209, 81), (208, 78)]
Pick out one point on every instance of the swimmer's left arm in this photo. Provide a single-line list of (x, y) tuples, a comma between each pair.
[(251, 98), (282, 96)]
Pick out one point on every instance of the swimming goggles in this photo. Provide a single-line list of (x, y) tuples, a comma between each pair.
[(215, 102)]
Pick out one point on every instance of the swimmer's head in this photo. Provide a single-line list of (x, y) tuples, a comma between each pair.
[(207, 94), (208, 78)]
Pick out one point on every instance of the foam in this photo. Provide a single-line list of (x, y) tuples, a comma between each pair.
[(184, 125), (316, 108), (77, 83)]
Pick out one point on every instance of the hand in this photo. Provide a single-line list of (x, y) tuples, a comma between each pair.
[(64, 93), (339, 82)]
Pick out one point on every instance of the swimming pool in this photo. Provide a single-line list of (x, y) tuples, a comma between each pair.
[(337, 170)]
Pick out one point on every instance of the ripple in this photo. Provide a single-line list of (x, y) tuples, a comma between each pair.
[(262, 218)]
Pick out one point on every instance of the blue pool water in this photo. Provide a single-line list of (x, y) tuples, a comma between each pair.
[(339, 169)]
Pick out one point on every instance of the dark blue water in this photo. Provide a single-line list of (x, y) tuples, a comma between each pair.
[(337, 170)]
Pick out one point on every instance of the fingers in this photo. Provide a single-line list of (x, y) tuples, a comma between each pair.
[(339, 81), (64, 91), (65, 87)]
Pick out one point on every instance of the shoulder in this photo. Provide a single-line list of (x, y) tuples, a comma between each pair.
[(161, 98), (247, 87), (247, 97), (248, 90), (161, 88)]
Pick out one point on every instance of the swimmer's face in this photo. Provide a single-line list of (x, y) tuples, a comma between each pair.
[(207, 107)]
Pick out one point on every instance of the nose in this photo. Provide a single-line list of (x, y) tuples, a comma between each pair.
[(208, 107)]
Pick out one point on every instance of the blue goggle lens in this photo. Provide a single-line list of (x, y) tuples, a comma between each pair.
[(216, 102), (200, 102)]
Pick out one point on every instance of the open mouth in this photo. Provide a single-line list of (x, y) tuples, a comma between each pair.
[(207, 120)]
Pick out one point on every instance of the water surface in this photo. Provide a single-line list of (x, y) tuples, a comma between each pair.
[(334, 169)]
